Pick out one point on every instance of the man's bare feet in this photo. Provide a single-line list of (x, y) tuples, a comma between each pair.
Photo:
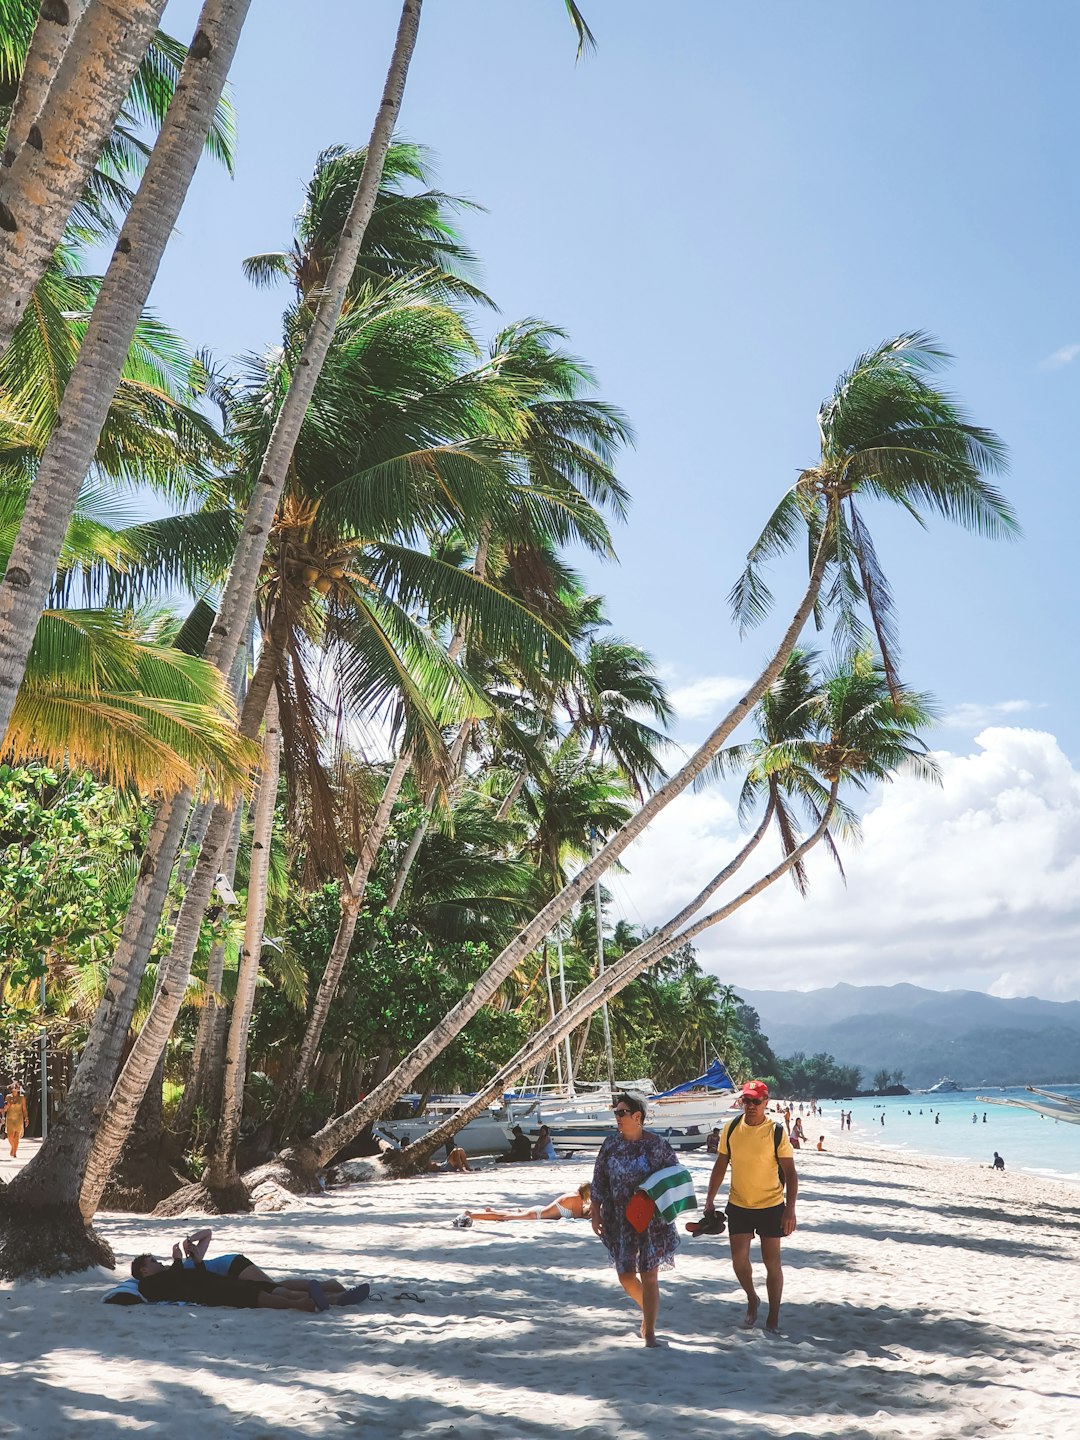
[(753, 1304), (651, 1342), (772, 1327)]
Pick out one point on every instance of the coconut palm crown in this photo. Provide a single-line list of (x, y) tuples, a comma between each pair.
[(886, 433)]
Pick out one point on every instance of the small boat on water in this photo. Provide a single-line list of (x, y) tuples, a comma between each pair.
[(945, 1086)]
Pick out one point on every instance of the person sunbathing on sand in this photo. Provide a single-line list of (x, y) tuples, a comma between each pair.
[(233, 1281), (567, 1207)]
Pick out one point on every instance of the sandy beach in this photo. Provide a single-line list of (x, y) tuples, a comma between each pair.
[(923, 1299)]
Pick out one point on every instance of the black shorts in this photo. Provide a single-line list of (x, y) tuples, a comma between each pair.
[(238, 1264), (768, 1223)]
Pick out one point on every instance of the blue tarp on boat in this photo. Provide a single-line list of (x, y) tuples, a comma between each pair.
[(715, 1078)]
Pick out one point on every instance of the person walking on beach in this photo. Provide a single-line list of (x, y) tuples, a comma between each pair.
[(15, 1117), (624, 1161), (761, 1198)]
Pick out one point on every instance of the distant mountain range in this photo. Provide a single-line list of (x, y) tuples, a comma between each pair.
[(976, 1039)]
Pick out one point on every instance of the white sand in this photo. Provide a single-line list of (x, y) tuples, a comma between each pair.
[(924, 1299)]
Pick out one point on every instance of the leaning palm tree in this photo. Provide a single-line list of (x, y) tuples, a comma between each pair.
[(773, 773), (58, 1172), (72, 130), (49, 1184), (886, 433), (859, 728), (111, 326)]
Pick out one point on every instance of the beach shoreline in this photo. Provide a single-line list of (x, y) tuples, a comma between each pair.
[(924, 1298)]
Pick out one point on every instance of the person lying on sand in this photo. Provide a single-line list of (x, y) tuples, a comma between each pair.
[(233, 1281), (567, 1207)]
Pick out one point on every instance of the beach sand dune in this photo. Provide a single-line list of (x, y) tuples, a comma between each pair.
[(924, 1299)]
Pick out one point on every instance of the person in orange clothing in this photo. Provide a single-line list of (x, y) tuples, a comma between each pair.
[(16, 1118)]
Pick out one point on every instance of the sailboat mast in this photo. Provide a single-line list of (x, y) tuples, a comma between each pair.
[(599, 911)]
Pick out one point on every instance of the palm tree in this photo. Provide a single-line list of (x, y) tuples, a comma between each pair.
[(859, 729), (223, 1174), (110, 329), (773, 772), (56, 1175), (42, 180), (887, 433), (81, 99), (407, 232)]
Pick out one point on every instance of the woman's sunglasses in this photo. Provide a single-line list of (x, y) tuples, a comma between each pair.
[(621, 1114)]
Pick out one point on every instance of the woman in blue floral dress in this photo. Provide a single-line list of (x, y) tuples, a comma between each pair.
[(625, 1160)]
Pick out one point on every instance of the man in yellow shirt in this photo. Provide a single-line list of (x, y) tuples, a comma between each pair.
[(759, 1202)]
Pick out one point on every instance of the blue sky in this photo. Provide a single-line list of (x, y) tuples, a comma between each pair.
[(723, 206)]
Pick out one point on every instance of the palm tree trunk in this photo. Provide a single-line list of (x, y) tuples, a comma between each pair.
[(351, 899), (45, 178), (512, 794), (55, 1175), (43, 1186), (223, 1174), (339, 1132), (614, 980), (203, 1080), (128, 1091), (54, 29), (90, 390)]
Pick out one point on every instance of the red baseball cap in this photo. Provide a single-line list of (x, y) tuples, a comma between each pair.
[(756, 1090)]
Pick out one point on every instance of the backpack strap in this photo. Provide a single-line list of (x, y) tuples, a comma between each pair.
[(777, 1136), (725, 1138)]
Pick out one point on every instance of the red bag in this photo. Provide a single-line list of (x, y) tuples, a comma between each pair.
[(640, 1209)]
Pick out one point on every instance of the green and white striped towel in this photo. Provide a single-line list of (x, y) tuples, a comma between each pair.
[(671, 1190)]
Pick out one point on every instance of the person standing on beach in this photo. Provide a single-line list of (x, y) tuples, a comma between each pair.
[(624, 1161), (15, 1117), (759, 1201)]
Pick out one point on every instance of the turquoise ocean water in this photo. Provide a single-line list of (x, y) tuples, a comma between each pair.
[(1026, 1142)]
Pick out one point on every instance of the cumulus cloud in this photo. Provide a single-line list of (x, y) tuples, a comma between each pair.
[(1065, 356), (706, 698), (973, 885), (973, 715)]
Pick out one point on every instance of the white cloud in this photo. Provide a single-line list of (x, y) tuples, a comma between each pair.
[(972, 885), (703, 699), (1065, 356), (972, 715)]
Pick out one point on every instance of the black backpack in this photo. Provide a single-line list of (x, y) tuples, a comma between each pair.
[(778, 1135)]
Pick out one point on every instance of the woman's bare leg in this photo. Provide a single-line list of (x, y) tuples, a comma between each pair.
[(650, 1306), (632, 1285)]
